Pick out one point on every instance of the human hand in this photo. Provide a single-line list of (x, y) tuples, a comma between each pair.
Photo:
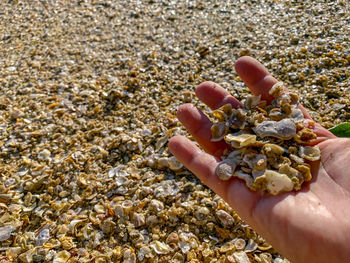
[(311, 225)]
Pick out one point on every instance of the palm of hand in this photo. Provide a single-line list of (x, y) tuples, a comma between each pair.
[(312, 225)]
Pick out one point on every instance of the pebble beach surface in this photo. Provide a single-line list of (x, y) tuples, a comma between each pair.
[(89, 93)]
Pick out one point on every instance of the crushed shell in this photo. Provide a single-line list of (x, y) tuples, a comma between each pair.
[(266, 149), (88, 102)]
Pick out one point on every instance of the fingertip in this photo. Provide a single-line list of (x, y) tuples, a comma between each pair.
[(204, 86), (243, 61), (191, 117), (183, 109), (215, 96), (173, 144)]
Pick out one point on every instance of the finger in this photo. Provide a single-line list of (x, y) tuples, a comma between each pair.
[(215, 96), (259, 80), (255, 76), (203, 166), (198, 125)]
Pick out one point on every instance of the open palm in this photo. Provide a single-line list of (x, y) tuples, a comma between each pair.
[(312, 225)]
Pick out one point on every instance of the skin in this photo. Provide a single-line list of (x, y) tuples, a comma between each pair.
[(311, 225)]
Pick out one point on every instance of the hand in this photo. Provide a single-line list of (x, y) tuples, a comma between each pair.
[(311, 225)]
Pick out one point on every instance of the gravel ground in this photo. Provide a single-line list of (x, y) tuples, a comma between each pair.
[(89, 92)]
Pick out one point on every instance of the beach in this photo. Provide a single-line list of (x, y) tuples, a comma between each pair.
[(89, 92)]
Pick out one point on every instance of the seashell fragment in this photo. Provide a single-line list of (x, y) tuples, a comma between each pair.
[(277, 90), (252, 101), (251, 246), (296, 159), (267, 143), (226, 169), (5, 232), (225, 218), (223, 113), (255, 161), (238, 119), (311, 153), (220, 115), (275, 182), (286, 169), (160, 247), (305, 171), (240, 141), (283, 129), (245, 176), (61, 257), (297, 115), (272, 150), (305, 135), (174, 164), (218, 131), (239, 243), (278, 114)]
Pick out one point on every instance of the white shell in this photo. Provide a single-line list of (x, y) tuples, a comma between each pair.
[(240, 141), (160, 247), (174, 164), (277, 183), (241, 257), (310, 153)]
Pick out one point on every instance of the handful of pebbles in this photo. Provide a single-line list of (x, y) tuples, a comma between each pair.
[(268, 143)]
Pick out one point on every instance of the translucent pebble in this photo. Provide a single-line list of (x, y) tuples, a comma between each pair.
[(143, 252)]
